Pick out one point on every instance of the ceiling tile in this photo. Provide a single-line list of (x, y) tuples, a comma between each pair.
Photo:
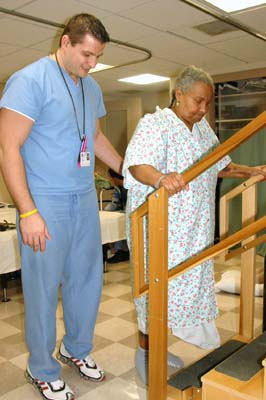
[(47, 46), (166, 15), (157, 66), (203, 38), (17, 32), (207, 58), (238, 48), (114, 54), (126, 30), (165, 45), (255, 18), (116, 5), (54, 11), (223, 69), (6, 49), (12, 4)]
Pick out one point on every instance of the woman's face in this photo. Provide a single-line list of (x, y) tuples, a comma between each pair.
[(194, 104)]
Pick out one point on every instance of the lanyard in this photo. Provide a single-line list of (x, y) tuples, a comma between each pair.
[(82, 137)]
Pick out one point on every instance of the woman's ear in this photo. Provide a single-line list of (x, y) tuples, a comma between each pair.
[(178, 94)]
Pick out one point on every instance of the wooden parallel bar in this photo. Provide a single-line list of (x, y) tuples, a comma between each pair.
[(143, 289), (137, 253), (141, 252), (213, 251), (264, 379), (224, 208), (232, 240), (249, 245), (242, 187), (224, 217), (225, 148), (158, 294), (248, 266), (141, 211)]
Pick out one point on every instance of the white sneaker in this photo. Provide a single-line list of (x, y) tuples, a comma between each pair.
[(87, 368), (56, 390)]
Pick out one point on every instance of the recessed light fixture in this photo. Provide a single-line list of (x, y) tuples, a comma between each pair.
[(230, 6), (100, 67), (144, 79)]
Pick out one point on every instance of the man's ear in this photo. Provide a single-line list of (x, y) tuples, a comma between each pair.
[(65, 41)]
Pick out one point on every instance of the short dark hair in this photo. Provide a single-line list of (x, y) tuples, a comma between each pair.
[(81, 24)]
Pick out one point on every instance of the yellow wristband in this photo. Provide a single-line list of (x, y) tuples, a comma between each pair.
[(28, 214)]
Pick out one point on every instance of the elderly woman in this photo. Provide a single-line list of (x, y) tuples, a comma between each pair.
[(164, 145)]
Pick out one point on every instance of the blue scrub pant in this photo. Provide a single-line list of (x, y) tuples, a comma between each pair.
[(72, 259)]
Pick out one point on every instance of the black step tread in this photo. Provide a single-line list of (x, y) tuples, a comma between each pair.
[(246, 362), (190, 376)]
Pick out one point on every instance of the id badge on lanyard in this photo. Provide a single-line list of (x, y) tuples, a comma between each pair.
[(84, 155)]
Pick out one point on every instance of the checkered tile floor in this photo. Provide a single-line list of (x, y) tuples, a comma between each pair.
[(115, 340)]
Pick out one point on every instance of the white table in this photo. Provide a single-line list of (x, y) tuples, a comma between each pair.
[(112, 228)]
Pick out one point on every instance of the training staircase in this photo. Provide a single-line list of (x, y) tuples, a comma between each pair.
[(236, 370)]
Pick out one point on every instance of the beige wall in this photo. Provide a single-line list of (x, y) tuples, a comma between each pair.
[(152, 99)]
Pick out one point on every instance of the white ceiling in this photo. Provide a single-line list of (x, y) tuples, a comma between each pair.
[(165, 27)]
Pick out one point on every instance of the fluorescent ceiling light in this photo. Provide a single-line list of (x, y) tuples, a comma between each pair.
[(144, 79), (236, 5), (100, 67)]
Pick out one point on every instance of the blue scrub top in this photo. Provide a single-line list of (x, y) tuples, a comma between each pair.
[(51, 150)]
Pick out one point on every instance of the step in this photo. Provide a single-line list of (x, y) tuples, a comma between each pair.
[(191, 376), (247, 361)]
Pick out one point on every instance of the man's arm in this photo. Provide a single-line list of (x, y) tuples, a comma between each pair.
[(105, 151), (14, 130), (233, 170)]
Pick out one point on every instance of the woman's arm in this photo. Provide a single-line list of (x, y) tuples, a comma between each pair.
[(148, 175)]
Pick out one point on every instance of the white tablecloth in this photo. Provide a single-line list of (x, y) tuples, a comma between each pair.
[(112, 227)]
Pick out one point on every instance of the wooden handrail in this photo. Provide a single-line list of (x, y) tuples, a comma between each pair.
[(225, 148), (242, 187), (245, 247), (213, 251)]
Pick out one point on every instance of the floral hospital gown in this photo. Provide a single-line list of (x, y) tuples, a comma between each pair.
[(163, 141)]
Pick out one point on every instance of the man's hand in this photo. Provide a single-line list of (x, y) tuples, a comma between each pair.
[(34, 232), (173, 183)]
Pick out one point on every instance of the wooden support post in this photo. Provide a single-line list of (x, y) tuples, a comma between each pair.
[(158, 294), (138, 248), (248, 266), (264, 380), (224, 223)]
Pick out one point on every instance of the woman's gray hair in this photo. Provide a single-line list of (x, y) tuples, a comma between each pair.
[(188, 77)]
